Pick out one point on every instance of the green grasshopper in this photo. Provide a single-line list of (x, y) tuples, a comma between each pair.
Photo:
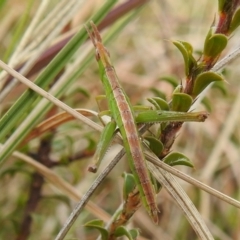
[(123, 118)]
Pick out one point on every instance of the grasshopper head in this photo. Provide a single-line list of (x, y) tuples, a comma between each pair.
[(102, 53)]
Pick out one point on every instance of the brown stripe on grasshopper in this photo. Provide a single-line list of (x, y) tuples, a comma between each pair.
[(135, 146)]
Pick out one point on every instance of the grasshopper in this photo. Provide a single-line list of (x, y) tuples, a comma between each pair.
[(123, 118)]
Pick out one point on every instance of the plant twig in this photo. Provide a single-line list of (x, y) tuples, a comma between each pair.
[(72, 218), (48, 96), (37, 182), (31, 205), (183, 201), (191, 180), (226, 60), (77, 210)]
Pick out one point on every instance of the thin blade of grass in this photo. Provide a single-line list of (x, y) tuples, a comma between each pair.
[(35, 48), (19, 29), (81, 204), (179, 195), (25, 102), (44, 105)]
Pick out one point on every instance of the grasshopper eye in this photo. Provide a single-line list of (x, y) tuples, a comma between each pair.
[(97, 55)]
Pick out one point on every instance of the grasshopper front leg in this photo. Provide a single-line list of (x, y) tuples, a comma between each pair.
[(105, 140)]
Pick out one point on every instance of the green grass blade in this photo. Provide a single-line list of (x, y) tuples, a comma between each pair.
[(57, 91), (29, 99), (24, 103), (19, 30)]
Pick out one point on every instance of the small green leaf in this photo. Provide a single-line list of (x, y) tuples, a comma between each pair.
[(221, 87), (214, 44), (154, 103), (235, 21), (159, 103), (186, 49), (154, 144), (129, 185), (178, 89), (184, 52), (176, 158), (98, 224), (203, 80), (134, 233), (158, 93), (170, 79), (181, 102), (95, 222), (193, 62), (122, 231)]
